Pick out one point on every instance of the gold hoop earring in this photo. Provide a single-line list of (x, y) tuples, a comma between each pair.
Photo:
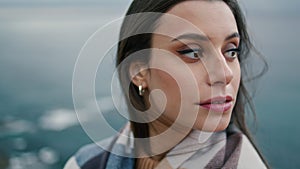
[(141, 90)]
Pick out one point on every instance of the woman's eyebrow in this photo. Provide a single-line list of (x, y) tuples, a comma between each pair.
[(193, 36), (234, 35), (199, 37)]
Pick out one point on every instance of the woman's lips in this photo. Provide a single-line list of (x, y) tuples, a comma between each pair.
[(217, 107), (217, 104)]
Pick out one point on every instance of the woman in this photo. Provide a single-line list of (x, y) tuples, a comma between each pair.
[(183, 65)]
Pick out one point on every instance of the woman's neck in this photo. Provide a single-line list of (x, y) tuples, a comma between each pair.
[(167, 140), (155, 129)]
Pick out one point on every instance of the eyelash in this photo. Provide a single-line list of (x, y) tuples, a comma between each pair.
[(198, 53), (236, 51)]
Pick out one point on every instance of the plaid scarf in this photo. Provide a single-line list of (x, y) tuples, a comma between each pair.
[(221, 150), (228, 149)]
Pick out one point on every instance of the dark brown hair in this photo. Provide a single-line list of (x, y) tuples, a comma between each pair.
[(130, 44)]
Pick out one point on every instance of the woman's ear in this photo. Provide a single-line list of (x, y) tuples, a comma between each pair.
[(139, 74)]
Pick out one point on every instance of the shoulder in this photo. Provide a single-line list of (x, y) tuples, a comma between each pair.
[(89, 156)]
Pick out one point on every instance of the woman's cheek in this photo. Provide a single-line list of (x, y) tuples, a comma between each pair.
[(167, 84), (237, 76)]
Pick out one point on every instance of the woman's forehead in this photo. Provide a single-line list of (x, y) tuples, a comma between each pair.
[(213, 19)]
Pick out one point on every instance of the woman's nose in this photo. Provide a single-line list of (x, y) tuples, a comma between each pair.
[(218, 70)]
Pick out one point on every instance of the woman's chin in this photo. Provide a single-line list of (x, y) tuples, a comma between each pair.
[(221, 125)]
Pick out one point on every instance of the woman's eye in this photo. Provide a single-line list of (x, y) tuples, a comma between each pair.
[(232, 53), (196, 53)]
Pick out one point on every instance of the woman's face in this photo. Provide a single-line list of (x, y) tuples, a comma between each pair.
[(211, 55)]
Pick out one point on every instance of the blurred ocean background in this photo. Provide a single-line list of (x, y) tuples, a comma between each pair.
[(39, 45)]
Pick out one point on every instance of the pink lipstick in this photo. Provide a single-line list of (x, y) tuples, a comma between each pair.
[(217, 104)]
